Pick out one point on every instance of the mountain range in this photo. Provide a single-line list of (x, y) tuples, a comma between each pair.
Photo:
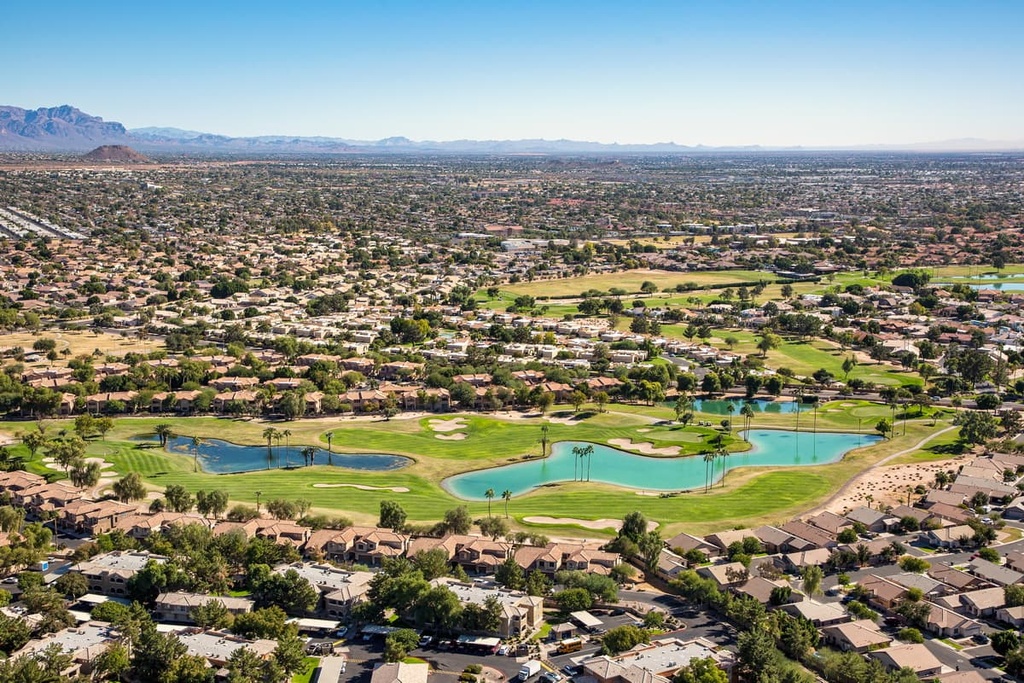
[(67, 129)]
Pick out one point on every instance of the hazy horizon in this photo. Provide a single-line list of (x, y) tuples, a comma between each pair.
[(724, 74)]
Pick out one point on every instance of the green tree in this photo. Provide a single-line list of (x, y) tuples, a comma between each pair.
[(701, 671), (812, 576), (398, 644), (212, 614), (178, 498), (392, 516), (129, 488), (622, 638), (574, 600), (510, 575), (164, 432)]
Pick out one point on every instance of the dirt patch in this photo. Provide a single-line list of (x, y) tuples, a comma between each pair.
[(447, 425), (595, 524), (450, 437), (644, 447), (363, 487)]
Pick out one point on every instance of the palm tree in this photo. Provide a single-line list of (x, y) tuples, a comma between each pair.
[(748, 414), (543, 440), (258, 494), (590, 457), (506, 496), (196, 443), (287, 446), (489, 495), (308, 453), (330, 459), (722, 453), (278, 435), (269, 433), (730, 408), (164, 433), (709, 458)]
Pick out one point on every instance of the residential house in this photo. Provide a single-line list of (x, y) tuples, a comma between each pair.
[(860, 636), (401, 672), (945, 623), (984, 602), (177, 607), (521, 614), (109, 573), (89, 518), (994, 573), (914, 656), (820, 614), (949, 537)]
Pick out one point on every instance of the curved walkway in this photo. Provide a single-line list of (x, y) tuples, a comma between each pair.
[(853, 482)]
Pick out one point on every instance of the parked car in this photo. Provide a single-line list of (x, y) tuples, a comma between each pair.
[(425, 640), (341, 632)]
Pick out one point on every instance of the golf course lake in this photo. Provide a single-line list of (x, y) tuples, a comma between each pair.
[(769, 448), (222, 457)]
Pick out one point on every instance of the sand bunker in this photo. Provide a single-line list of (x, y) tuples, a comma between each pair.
[(564, 420), (447, 425), (450, 437), (644, 447), (595, 524), (363, 487)]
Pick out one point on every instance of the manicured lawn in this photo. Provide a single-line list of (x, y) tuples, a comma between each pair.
[(311, 665), (942, 447)]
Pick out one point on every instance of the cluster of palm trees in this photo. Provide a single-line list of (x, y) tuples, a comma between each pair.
[(165, 433), (709, 461), (582, 456), (506, 496), (273, 435)]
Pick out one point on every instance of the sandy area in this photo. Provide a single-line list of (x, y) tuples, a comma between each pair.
[(888, 485), (644, 447), (564, 420), (6, 440), (363, 487), (447, 425), (585, 523), (450, 437)]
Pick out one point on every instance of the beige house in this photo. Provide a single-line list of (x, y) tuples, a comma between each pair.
[(177, 607)]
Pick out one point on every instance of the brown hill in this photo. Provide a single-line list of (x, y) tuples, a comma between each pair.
[(116, 153)]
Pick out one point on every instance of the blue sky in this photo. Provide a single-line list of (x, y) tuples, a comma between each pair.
[(828, 72)]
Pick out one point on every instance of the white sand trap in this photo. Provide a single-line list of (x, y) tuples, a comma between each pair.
[(363, 487), (644, 430), (596, 524), (564, 420), (644, 447), (450, 437), (447, 425)]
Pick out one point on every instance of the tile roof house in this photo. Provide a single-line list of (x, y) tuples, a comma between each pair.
[(914, 656), (855, 636)]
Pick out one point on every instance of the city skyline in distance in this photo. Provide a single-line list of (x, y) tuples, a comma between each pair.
[(795, 74)]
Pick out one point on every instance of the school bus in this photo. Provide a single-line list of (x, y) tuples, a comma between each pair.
[(570, 645)]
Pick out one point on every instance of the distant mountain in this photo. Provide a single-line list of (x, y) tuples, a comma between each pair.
[(116, 153), (63, 128), (68, 129)]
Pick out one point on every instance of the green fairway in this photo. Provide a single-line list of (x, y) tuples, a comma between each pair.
[(631, 280)]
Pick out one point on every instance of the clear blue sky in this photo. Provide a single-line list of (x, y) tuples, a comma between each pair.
[(716, 72)]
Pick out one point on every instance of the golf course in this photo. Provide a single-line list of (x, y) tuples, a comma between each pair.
[(437, 447)]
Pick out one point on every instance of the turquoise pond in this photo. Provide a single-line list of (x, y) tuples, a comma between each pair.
[(222, 457), (770, 448)]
